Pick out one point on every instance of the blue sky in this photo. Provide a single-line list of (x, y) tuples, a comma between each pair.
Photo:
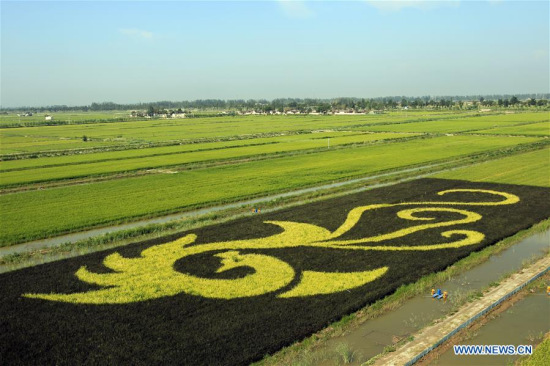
[(77, 52)]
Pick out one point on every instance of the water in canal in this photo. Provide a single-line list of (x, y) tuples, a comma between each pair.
[(370, 338)]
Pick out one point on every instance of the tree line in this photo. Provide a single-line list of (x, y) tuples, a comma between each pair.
[(306, 105)]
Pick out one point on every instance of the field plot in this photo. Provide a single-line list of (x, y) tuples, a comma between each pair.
[(535, 129), (12, 143), (516, 117), (231, 293), (54, 168), (529, 168), (70, 208), (167, 130), (444, 126), (68, 117), (461, 124)]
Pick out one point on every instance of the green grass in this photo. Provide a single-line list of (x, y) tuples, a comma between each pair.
[(448, 126), (536, 129), (515, 117), (54, 168), (529, 168), (540, 356), (37, 214)]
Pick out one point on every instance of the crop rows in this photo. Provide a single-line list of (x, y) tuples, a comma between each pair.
[(179, 130), (530, 168), (154, 131), (114, 164), (462, 125), (72, 208), (534, 129)]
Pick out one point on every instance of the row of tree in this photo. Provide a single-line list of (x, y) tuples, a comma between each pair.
[(309, 104)]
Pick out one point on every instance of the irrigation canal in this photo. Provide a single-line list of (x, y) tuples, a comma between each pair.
[(370, 338), (529, 318)]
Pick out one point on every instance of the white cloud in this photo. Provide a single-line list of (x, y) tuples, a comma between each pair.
[(295, 9), (136, 33), (396, 5)]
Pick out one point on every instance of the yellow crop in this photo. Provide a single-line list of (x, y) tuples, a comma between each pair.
[(153, 275)]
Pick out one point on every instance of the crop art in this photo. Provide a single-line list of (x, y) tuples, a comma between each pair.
[(153, 274), (230, 293)]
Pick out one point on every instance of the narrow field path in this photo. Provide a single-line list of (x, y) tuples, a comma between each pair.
[(431, 337)]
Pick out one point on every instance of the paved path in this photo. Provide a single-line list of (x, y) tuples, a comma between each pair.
[(432, 336)]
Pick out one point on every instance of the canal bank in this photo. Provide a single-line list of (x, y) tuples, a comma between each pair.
[(433, 336), (521, 320)]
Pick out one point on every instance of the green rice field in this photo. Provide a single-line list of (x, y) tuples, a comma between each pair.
[(12, 119), (53, 168), (17, 140), (249, 284), (143, 169), (465, 124), (529, 168), (537, 129)]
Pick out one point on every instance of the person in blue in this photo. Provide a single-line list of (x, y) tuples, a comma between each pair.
[(438, 294)]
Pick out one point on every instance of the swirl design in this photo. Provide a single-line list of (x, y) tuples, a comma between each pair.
[(153, 275)]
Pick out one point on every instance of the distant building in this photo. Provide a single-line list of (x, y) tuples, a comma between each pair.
[(349, 112)]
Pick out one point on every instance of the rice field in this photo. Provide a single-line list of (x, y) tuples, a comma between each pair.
[(465, 124), (535, 129), (233, 292), (55, 168), (74, 207), (19, 140), (137, 169), (529, 168), (12, 119)]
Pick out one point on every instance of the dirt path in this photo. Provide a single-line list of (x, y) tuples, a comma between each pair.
[(431, 337)]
